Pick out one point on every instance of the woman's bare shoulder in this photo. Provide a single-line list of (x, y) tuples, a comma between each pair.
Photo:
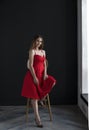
[(31, 51), (43, 51)]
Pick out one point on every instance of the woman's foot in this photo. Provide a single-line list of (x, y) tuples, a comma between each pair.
[(42, 103), (39, 124)]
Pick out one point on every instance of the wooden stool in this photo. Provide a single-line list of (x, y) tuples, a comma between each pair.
[(47, 105)]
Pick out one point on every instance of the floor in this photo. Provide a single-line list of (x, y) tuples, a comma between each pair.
[(64, 118)]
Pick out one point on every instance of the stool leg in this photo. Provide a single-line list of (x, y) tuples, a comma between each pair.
[(49, 107), (27, 108)]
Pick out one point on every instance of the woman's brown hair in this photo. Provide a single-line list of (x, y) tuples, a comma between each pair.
[(33, 44)]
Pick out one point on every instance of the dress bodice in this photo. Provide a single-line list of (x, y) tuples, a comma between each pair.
[(38, 63)]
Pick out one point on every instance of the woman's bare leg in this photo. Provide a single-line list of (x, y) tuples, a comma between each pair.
[(53, 84), (43, 99), (47, 93), (36, 112)]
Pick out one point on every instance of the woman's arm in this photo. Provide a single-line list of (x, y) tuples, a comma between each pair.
[(45, 66), (31, 60)]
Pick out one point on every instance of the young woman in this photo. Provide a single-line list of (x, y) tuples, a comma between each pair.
[(37, 83)]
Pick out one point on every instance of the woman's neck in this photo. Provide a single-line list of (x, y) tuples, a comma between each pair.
[(37, 49)]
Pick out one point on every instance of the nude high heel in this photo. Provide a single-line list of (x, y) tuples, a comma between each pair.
[(38, 123)]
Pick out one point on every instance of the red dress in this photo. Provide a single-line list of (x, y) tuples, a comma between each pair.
[(29, 89)]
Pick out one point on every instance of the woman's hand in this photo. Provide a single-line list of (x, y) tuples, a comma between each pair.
[(45, 77), (36, 81)]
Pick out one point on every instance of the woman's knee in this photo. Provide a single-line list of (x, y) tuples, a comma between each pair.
[(53, 84), (34, 100)]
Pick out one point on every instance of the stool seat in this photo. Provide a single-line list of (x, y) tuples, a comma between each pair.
[(47, 105)]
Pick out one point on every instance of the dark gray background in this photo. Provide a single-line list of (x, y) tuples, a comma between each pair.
[(56, 21)]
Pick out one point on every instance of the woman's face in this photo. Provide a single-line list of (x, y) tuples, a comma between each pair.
[(39, 42)]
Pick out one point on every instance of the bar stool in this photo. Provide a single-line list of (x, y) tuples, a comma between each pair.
[(46, 103)]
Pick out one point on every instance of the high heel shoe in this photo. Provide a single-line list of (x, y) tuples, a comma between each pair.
[(38, 123)]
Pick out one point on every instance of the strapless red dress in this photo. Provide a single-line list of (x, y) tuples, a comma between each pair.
[(29, 89)]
